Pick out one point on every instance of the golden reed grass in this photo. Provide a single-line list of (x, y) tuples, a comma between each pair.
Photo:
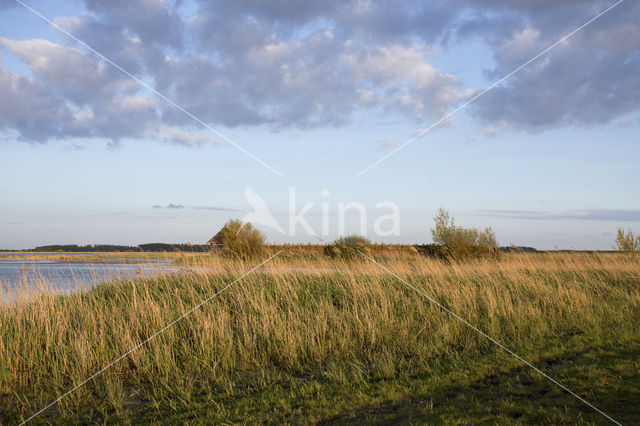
[(300, 313)]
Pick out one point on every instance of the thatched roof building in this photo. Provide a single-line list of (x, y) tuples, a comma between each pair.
[(216, 240)]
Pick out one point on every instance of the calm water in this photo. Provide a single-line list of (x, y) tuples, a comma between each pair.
[(16, 275)]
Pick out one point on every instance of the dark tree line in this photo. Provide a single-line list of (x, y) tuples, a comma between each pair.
[(151, 247), (174, 247), (517, 248)]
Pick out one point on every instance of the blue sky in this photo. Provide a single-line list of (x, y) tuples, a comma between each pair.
[(319, 91)]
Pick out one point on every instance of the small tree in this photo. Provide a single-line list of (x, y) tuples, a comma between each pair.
[(349, 247), (241, 239), (487, 238), (628, 242), (459, 242)]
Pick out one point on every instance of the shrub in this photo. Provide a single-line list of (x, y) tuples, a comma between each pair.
[(628, 242), (458, 242), (241, 239), (349, 247)]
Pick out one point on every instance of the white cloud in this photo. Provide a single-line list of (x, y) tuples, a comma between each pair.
[(297, 65), (408, 82)]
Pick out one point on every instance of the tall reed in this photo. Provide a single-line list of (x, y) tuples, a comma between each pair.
[(298, 314)]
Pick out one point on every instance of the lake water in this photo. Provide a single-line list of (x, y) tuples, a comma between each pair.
[(30, 274)]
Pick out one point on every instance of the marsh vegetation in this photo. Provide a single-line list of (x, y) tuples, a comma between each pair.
[(307, 338)]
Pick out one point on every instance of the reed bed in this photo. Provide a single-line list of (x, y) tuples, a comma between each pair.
[(298, 316)]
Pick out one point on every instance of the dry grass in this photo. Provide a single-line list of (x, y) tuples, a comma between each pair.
[(299, 314)]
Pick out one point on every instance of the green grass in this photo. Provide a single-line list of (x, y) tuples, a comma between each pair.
[(491, 388), (344, 343)]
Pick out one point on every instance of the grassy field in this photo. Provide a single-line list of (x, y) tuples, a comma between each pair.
[(307, 339)]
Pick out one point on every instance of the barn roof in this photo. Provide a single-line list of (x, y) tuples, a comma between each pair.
[(216, 239)]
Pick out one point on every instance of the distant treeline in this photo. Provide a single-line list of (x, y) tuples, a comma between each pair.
[(175, 247), (116, 248), (517, 248)]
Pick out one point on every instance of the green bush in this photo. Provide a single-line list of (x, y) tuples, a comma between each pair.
[(628, 242), (239, 239), (349, 247), (460, 243)]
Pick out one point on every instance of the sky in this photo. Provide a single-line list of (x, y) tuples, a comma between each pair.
[(128, 122)]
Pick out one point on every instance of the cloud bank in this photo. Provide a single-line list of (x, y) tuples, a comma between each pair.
[(289, 64), (168, 206), (615, 215)]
